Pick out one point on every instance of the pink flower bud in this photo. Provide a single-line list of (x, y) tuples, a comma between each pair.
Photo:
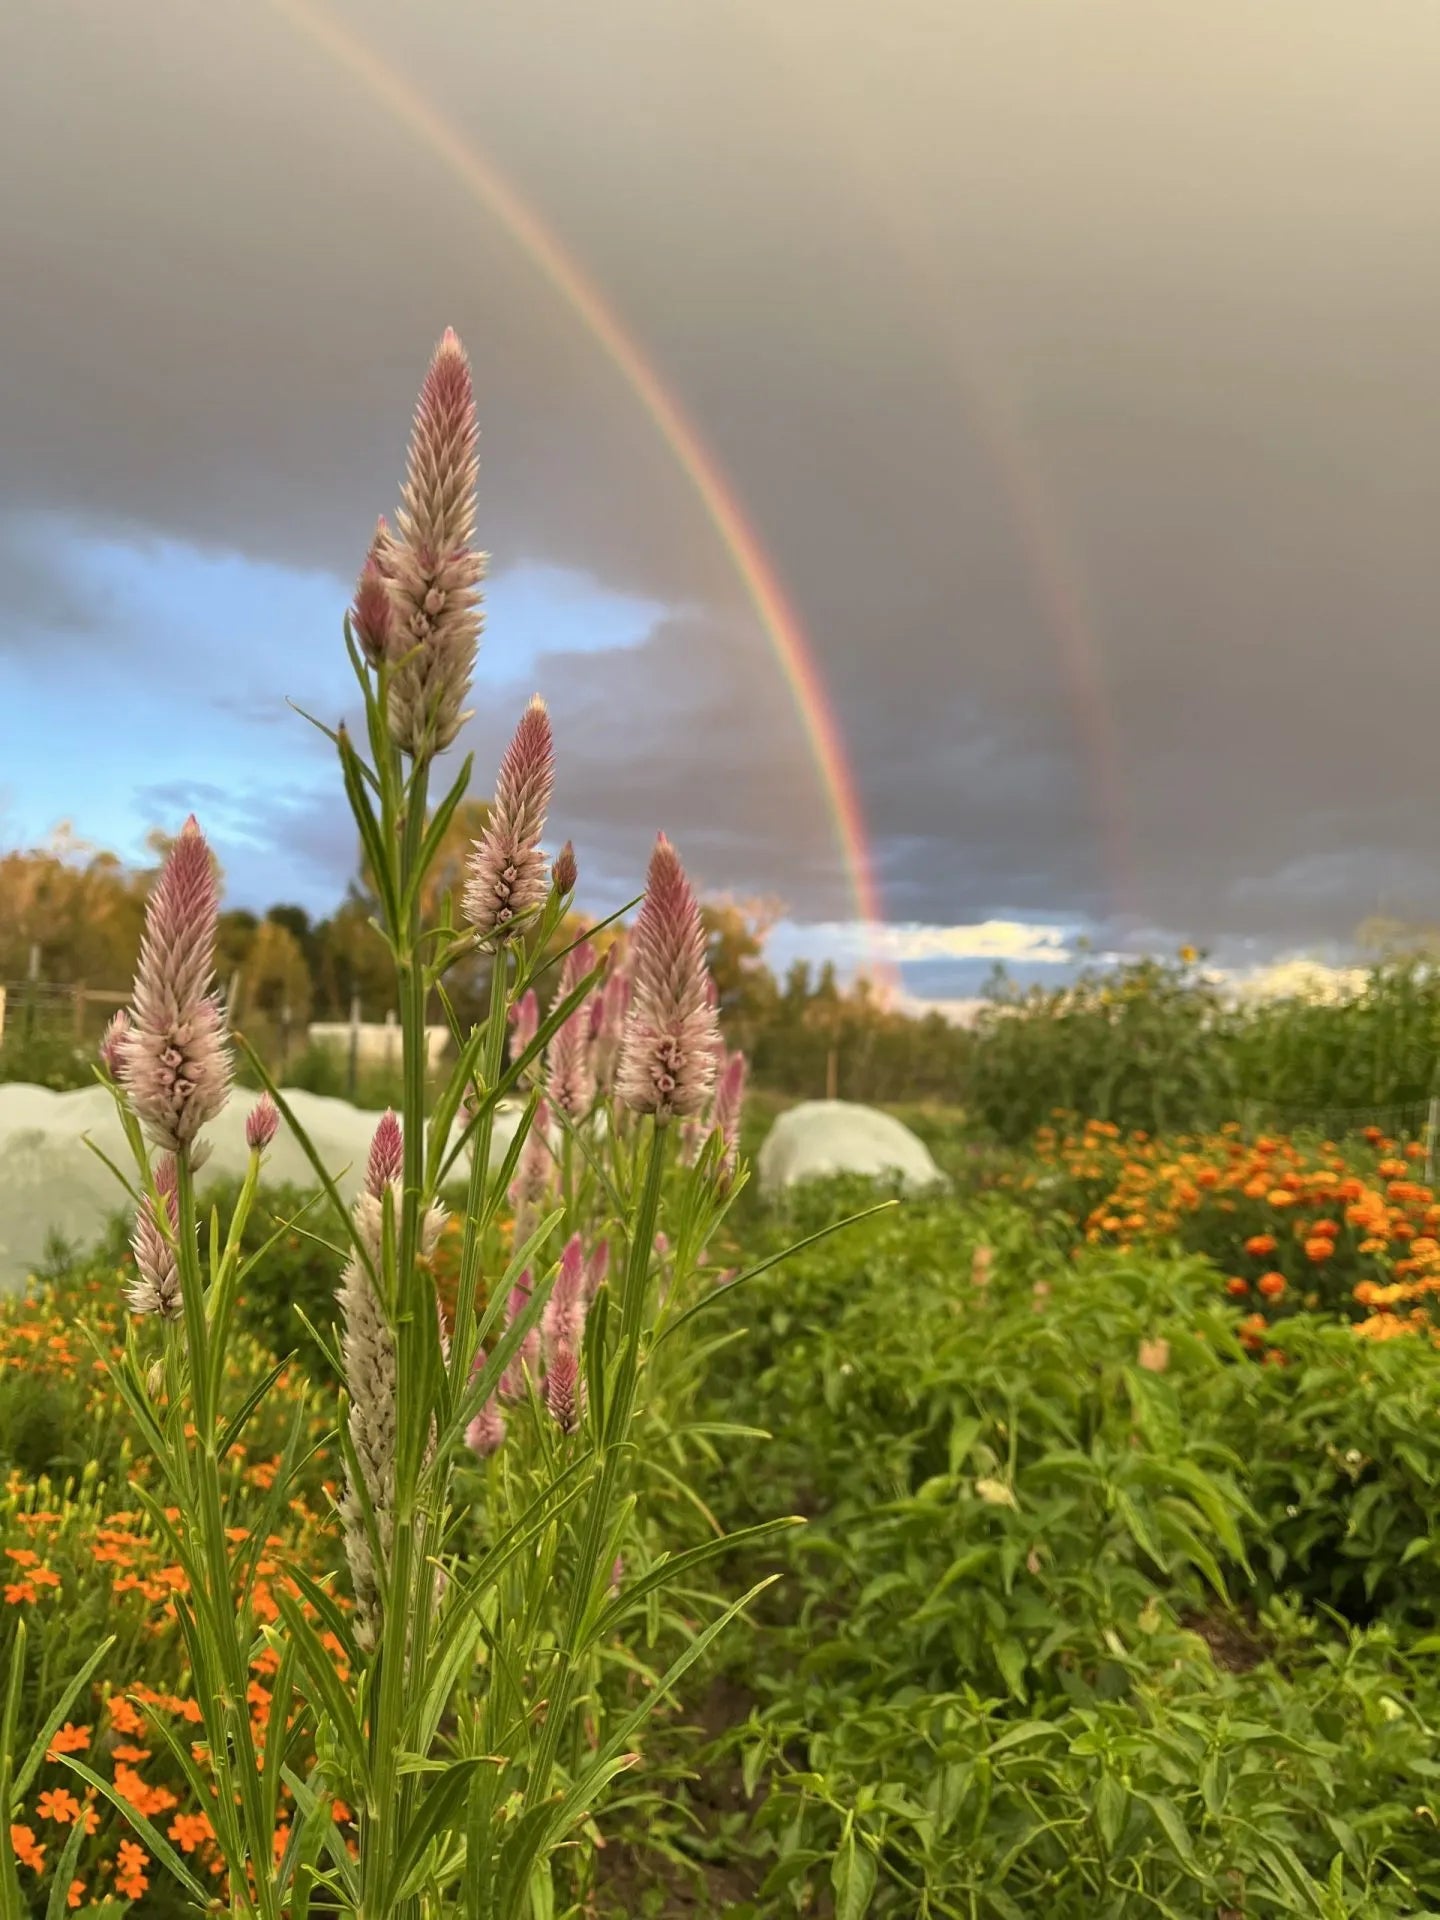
[(566, 870), (595, 1268), (156, 1286), (667, 1061), (507, 880), (570, 1078), (262, 1124), (564, 1390), (563, 1322), (387, 1155), (113, 1042), (526, 1363), (487, 1430)]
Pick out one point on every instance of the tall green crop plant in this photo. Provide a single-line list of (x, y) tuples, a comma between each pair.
[(446, 1677)]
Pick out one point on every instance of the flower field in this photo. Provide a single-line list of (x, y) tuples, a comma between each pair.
[(1118, 1579)]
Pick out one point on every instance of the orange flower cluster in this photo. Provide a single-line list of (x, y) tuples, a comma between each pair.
[(1358, 1228)]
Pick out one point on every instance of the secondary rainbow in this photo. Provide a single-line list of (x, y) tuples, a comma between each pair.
[(793, 651)]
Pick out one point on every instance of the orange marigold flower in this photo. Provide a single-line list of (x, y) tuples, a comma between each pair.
[(133, 1754), (1259, 1244), (69, 1739), (19, 1590), (1319, 1248), (123, 1716), (22, 1556), (22, 1845), (58, 1804), (1236, 1287), (1280, 1197), (1326, 1228), (130, 1880), (1272, 1285)]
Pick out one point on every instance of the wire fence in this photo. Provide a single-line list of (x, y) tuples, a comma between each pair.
[(1407, 1120)]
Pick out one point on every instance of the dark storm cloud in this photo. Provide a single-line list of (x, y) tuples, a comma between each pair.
[(1077, 368)]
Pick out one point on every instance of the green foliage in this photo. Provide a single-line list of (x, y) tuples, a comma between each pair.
[(1067, 1631)]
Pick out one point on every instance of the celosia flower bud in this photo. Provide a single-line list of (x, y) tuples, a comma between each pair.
[(729, 1104), (387, 1155), (156, 1286), (261, 1124), (524, 1024), (535, 1168), (525, 1365), (570, 1077), (155, 1379), (367, 1354), (372, 617), (565, 871), (595, 1268), (667, 1060), (563, 1322), (487, 1430), (434, 576), (174, 1062), (609, 1010), (617, 1574), (507, 879), (112, 1043), (564, 1390)]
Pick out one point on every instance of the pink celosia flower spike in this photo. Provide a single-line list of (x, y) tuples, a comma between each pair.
[(524, 1024), (112, 1043), (570, 1077), (173, 1061), (566, 870), (667, 1058), (595, 1268), (387, 1155), (562, 1324), (729, 1103), (433, 574), (526, 1362), (156, 1286), (487, 1430), (372, 617), (507, 869), (564, 1390), (262, 1124)]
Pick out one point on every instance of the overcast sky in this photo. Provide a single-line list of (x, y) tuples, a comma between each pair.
[(1074, 362)]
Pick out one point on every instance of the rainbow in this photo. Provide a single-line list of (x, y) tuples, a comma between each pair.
[(794, 653)]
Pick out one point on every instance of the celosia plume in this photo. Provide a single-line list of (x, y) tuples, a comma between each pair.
[(608, 1013), (729, 1105), (487, 1430), (372, 616), (387, 1155), (525, 1365), (434, 574), (595, 1268), (261, 1124), (524, 1025), (156, 1286), (564, 1390), (667, 1058), (173, 1061), (562, 1324), (570, 1075), (112, 1043), (507, 875), (566, 870)]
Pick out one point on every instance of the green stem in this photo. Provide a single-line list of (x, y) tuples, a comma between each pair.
[(226, 1716), (619, 1411)]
